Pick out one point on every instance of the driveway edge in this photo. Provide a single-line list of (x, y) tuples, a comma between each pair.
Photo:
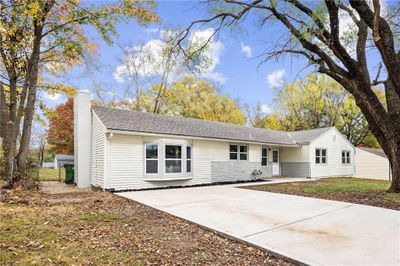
[(224, 235)]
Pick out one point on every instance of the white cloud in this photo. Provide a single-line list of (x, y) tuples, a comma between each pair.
[(214, 76), (265, 109), (148, 59), (246, 50), (275, 79), (151, 30)]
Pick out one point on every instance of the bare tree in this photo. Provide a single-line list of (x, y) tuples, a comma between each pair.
[(159, 63), (39, 141), (313, 31)]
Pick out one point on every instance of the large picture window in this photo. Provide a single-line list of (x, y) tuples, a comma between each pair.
[(173, 159), (264, 156), (151, 159), (188, 159), (320, 156), (238, 152), (345, 157)]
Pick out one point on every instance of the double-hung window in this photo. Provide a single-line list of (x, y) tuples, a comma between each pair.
[(151, 158), (243, 153), (238, 152), (188, 159), (233, 152), (264, 156), (320, 156), (173, 159), (345, 157)]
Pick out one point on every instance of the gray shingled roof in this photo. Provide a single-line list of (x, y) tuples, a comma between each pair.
[(126, 120), (306, 136), (378, 152)]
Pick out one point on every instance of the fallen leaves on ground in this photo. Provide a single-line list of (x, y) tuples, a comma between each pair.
[(99, 228)]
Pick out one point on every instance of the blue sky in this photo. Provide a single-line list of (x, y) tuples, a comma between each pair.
[(238, 59)]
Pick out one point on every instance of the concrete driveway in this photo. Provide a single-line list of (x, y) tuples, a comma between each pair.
[(313, 231)]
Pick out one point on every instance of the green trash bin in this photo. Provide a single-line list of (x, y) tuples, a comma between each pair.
[(69, 173)]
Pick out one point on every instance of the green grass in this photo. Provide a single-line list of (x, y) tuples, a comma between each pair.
[(331, 185), (356, 190), (48, 174), (100, 216), (344, 185)]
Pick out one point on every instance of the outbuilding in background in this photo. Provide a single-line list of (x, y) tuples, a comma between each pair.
[(372, 164)]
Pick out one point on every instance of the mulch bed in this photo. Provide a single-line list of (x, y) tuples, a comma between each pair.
[(371, 198), (97, 228)]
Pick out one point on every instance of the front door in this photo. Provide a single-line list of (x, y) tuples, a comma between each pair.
[(275, 162)]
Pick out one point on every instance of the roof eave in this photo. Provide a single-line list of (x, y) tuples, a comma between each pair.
[(137, 133)]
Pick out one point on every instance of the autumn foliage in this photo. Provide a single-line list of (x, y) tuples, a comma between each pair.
[(61, 128)]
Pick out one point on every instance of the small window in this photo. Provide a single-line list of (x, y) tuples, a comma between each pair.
[(233, 152), (320, 156), (238, 152), (173, 159), (243, 153), (151, 159), (275, 156), (188, 159), (264, 156), (345, 157)]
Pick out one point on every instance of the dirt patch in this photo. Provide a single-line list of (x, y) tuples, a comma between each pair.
[(98, 228), (359, 191)]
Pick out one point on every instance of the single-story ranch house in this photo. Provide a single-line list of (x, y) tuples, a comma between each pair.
[(125, 150)]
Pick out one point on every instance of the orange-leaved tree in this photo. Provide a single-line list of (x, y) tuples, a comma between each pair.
[(61, 128)]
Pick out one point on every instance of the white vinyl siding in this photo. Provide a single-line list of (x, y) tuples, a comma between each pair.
[(97, 152), (295, 155), (334, 143), (126, 162), (371, 166)]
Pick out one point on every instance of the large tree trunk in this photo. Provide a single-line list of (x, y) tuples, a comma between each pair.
[(393, 149), (32, 77), (394, 159)]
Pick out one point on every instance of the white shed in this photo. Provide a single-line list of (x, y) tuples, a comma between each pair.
[(372, 164)]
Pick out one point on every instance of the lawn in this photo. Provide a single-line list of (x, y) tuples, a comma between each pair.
[(99, 228), (47, 174), (354, 190)]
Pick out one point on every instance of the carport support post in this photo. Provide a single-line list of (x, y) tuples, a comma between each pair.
[(82, 139)]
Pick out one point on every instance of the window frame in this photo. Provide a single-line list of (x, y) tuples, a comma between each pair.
[(264, 157), (320, 156), (346, 158), (247, 152), (189, 159), (238, 152), (150, 159), (172, 159)]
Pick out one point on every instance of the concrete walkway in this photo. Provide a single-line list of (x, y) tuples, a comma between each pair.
[(313, 231)]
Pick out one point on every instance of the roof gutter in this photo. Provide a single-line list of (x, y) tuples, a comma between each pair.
[(142, 133)]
